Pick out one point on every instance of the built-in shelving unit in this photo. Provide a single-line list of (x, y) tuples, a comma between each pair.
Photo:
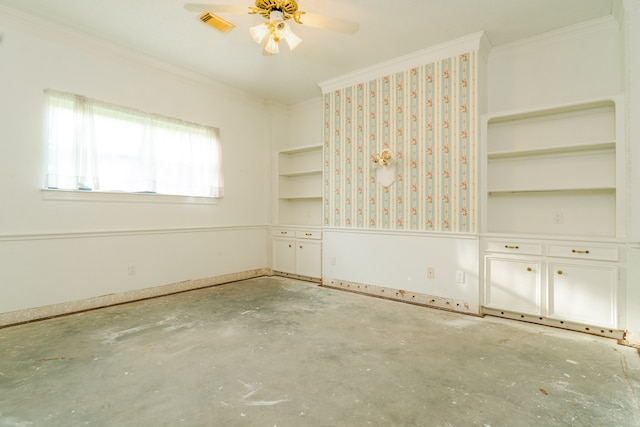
[(297, 239), (553, 214), (300, 186), (555, 170)]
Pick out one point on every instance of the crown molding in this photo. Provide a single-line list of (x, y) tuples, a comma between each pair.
[(52, 32), (572, 31), (472, 42)]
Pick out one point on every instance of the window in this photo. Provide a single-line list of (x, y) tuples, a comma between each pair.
[(95, 146)]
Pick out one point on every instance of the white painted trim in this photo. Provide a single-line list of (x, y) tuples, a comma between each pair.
[(555, 237), (432, 234), (572, 31), (112, 196), (51, 31), (617, 99), (426, 56), (93, 234), (54, 310)]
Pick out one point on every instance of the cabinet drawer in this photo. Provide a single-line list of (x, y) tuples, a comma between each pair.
[(514, 247), (578, 251), (284, 232), (309, 234)]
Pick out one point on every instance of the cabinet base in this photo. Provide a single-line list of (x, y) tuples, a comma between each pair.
[(557, 323)]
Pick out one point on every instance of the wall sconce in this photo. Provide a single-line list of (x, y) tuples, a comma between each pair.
[(385, 171), (384, 158)]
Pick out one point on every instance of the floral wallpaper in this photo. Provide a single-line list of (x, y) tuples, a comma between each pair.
[(427, 116)]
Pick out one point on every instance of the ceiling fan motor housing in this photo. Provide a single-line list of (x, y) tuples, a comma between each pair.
[(287, 7)]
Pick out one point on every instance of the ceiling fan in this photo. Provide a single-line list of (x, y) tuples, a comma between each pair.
[(275, 29)]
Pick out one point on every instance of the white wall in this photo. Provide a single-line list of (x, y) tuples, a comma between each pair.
[(400, 260), (55, 250), (631, 32), (305, 124), (559, 67)]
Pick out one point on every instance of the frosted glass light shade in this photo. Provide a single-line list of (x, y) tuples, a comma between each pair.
[(259, 32), (272, 46), (292, 40)]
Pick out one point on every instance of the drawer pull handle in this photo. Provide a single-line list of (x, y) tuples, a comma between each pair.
[(283, 232), (560, 272), (529, 269), (578, 251), (307, 234), (511, 247)]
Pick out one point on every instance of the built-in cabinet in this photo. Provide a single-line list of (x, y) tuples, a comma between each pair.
[(297, 252), (297, 237), (553, 213), (565, 282), (513, 283)]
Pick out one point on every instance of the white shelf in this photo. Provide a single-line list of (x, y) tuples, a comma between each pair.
[(302, 173), (553, 151), (300, 197), (302, 149), (299, 180), (550, 110), (507, 191), (563, 161)]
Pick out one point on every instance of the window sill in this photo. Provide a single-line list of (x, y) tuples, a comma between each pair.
[(113, 196)]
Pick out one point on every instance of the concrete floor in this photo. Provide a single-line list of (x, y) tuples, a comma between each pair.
[(277, 352)]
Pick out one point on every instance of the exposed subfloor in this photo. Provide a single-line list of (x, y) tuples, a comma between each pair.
[(279, 352)]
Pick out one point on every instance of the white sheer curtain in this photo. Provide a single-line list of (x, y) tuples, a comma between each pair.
[(101, 147)]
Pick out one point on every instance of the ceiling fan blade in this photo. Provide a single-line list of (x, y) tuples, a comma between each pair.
[(327, 23), (205, 7)]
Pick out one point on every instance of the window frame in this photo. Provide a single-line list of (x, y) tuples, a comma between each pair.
[(215, 180)]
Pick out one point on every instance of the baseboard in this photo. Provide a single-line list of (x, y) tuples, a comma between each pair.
[(416, 298), (54, 310)]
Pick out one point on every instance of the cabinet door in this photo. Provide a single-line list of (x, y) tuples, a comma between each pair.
[(309, 258), (512, 284), (284, 255), (583, 293)]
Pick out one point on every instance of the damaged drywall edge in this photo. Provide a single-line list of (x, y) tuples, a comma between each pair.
[(416, 298), (55, 310)]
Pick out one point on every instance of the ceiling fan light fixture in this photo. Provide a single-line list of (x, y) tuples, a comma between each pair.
[(259, 32), (275, 16), (292, 40), (271, 47), (275, 29)]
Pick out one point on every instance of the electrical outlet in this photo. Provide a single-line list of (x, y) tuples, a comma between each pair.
[(431, 273), (333, 260), (558, 217), (132, 270), (459, 276)]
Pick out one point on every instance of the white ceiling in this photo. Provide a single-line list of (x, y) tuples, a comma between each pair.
[(164, 30)]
